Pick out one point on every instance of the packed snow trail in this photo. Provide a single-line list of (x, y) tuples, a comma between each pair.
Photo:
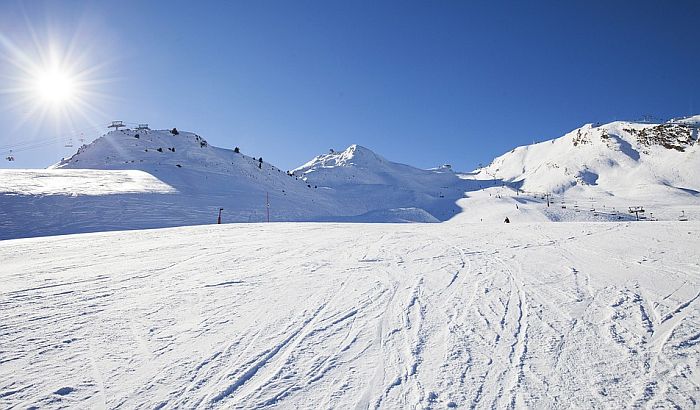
[(354, 316)]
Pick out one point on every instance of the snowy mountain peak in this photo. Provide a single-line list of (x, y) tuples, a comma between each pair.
[(354, 155), (188, 164), (620, 158), (165, 151), (358, 151), (135, 149), (690, 120), (670, 135)]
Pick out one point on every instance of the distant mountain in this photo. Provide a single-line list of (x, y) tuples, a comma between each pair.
[(176, 157), (358, 165), (136, 179), (367, 181), (626, 159), (205, 175), (345, 184)]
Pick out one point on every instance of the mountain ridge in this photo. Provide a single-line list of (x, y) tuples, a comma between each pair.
[(616, 157), (154, 178)]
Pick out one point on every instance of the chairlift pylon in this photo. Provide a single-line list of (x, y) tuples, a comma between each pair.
[(10, 157)]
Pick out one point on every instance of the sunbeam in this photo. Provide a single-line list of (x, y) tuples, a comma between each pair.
[(48, 82)]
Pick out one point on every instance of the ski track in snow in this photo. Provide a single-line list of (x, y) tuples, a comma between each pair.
[(354, 316)]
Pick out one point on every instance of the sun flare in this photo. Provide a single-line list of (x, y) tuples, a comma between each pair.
[(50, 81), (55, 86)]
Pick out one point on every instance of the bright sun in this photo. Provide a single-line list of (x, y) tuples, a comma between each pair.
[(53, 81), (54, 86)]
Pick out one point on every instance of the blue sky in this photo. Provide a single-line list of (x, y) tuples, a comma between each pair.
[(423, 83)]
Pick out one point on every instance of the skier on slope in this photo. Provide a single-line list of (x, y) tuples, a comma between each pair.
[(507, 220)]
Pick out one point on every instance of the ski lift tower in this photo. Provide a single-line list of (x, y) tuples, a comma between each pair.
[(116, 125), (636, 210), (548, 197)]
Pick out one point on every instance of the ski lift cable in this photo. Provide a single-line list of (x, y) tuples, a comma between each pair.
[(46, 140), (76, 133), (31, 144), (35, 141), (35, 144), (30, 148)]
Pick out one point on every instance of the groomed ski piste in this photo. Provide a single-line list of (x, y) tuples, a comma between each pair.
[(574, 303), (317, 315)]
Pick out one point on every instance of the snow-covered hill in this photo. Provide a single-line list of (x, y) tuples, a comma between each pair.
[(365, 180), (150, 179), (594, 173), (186, 162), (147, 179), (358, 165), (622, 159), (346, 316), (134, 179)]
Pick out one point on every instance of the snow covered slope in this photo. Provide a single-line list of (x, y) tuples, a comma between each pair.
[(358, 165), (365, 180), (354, 316), (81, 182), (145, 179), (594, 173), (134, 179), (623, 159), (188, 163)]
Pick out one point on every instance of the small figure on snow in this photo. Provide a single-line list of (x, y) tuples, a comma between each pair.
[(507, 220)]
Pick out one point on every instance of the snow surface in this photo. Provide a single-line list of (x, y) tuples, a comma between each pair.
[(539, 315), (80, 182)]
